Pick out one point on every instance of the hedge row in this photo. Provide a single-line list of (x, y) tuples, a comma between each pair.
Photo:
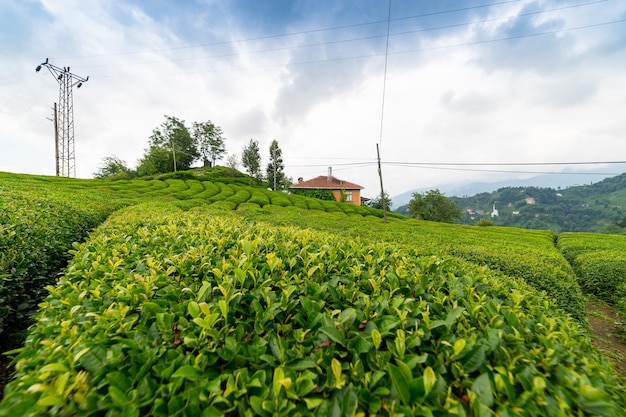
[(163, 312), (37, 228), (600, 264), (527, 254)]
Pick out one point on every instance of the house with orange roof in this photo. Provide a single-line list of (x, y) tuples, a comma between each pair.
[(350, 191)]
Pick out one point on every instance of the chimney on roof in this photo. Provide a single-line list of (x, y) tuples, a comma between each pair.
[(330, 174), (300, 180)]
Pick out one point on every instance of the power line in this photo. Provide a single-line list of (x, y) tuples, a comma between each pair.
[(509, 171), (303, 32), (373, 55), (286, 48), (507, 163), (382, 109)]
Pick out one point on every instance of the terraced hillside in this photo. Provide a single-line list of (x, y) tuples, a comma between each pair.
[(204, 295)]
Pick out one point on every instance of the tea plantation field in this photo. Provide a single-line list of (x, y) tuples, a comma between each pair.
[(201, 295)]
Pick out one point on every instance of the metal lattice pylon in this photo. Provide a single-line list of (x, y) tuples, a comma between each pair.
[(64, 118)]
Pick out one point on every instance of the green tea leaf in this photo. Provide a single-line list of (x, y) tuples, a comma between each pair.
[(206, 286), (474, 359), (117, 395), (188, 372), (193, 309), (400, 384), (430, 378), (376, 338), (459, 345), (277, 347), (93, 359), (482, 387), (334, 334)]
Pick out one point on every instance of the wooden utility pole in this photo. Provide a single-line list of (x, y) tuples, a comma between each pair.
[(382, 190)]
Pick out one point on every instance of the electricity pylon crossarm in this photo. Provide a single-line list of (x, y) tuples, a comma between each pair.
[(64, 123)]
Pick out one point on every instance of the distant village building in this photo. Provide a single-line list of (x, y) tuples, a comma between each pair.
[(351, 191), (530, 201)]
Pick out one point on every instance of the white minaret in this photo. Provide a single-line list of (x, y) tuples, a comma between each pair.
[(494, 212)]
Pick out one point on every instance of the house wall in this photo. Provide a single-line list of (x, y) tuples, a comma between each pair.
[(356, 196)]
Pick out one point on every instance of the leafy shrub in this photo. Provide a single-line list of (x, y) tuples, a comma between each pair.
[(194, 188), (241, 196), (280, 200), (331, 206), (210, 190), (225, 192), (224, 205), (259, 198), (298, 201), (314, 204), (36, 231), (318, 194), (163, 312), (600, 264), (348, 208), (484, 223), (527, 254)]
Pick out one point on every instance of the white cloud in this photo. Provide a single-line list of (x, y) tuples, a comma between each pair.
[(553, 97)]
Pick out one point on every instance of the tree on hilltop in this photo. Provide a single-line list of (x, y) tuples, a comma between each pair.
[(210, 141), (275, 172), (251, 159), (171, 148), (114, 168)]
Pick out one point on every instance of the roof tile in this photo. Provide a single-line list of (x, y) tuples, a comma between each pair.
[(325, 182)]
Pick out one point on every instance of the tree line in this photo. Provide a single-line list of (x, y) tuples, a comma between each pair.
[(173, 146)]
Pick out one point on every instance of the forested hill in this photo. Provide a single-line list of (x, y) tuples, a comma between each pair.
[(599, 207)]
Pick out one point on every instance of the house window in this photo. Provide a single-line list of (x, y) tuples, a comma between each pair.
[(348, 196)]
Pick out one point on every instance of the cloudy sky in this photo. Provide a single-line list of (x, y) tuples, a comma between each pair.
[(467, 82)]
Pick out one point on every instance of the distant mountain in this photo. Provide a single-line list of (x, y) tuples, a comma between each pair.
[(556, 181), (599, 207)]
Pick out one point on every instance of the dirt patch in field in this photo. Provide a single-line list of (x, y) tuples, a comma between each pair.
[(605, 326), (6, 373)]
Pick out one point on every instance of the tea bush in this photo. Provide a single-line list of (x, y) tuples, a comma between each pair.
[(600, 263), (527, 254), (37, 228), (225, 192), (599, 260), (163, 312)]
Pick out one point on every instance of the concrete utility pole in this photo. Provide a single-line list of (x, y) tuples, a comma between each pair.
[(64, 118)]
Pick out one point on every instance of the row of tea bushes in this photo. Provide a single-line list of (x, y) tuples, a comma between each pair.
[(527, 254), (202, 313), (600, 263), (37, 228)]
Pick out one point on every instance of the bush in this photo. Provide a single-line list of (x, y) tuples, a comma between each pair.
[(484, 223), (37, 229), (164, 312)]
